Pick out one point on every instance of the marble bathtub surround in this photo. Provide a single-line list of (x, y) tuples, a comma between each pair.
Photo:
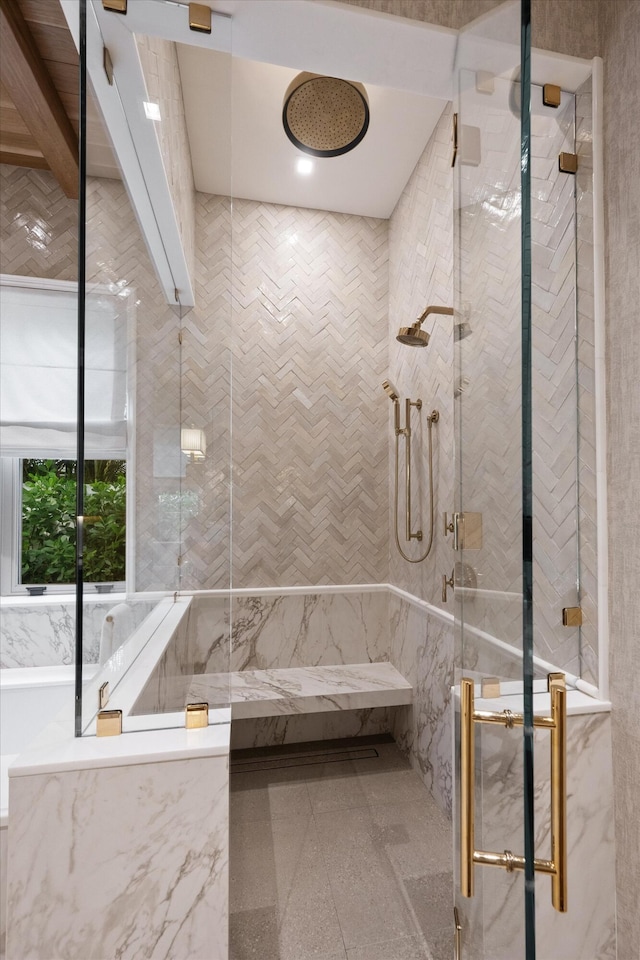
[(143, 879), (42, 634)]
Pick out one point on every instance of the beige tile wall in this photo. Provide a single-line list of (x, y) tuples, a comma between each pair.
[(309, 415), (621, 52)]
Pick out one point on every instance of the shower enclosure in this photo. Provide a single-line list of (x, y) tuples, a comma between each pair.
[(252, 316)]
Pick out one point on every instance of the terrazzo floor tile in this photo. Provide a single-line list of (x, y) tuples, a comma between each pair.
[(409, 948), (268, 795), (342, 860), (278, 883)]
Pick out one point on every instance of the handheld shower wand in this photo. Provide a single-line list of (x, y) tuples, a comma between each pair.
[(405, 432)]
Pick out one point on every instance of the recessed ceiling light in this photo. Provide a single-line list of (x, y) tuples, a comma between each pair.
[(304, 166), (152, 110)]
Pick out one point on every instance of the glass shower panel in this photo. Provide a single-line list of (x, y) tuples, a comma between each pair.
[(492, 454), (155, 427)]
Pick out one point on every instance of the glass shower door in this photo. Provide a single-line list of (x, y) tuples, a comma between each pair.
[(492, 528)]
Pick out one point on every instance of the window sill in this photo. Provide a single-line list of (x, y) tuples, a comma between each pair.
[(17, 600)]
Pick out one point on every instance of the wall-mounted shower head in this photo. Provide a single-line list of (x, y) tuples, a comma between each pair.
[(391, 391), (415, 336)]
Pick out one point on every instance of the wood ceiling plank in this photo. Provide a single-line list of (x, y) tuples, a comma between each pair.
[(23, 160), (19, 143), (54, 43), (11, 122), (31, 89), (64, 75), (43, 11)]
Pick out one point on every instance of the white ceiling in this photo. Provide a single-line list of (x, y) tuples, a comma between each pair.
[(239, 147)]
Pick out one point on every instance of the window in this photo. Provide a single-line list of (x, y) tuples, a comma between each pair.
[(40, 494), (38, 408)]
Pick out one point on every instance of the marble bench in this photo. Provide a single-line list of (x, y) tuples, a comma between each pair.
[(271, 693)]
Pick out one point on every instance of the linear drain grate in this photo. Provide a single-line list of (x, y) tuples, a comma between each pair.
[(303, 760)]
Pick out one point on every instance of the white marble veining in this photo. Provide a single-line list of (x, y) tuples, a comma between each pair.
[(308, 630), (268, 693), (128, 862), (39, 633), (422, 650), (303, 728)]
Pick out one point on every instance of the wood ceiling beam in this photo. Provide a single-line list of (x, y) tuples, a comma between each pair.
[(30, 87)]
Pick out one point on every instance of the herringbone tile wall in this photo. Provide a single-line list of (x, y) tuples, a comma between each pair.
[(309, 417), (421, 273), (38, 226)]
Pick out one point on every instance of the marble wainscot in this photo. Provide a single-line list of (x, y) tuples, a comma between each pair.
[(40, 631), (422, 650), (118, 846), (274, 630), (496, 912)]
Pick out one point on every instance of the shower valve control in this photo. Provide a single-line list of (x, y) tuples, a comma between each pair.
[(451, 526)]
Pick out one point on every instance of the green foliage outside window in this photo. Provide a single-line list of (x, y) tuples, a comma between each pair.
[(49, 525)]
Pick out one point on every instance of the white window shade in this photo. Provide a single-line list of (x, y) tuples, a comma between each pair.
[(38, 369)]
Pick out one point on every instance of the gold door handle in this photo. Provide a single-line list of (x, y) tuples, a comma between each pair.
[(556, 867), (457, 935)]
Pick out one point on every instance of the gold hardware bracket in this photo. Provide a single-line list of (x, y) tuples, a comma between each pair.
[(116, 6), (490, 688), (455, 139), (551, 95), (199, 18), (457, 935), (556, 867), (469, 531), (109, 723), (568, 163), (103, 694), (196, 715), (107, 63), (572, 616)]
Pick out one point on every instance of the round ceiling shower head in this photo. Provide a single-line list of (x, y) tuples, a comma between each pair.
[(413, 336), (325, 116)]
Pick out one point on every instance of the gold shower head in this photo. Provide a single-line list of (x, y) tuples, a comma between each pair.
[(325, 116)]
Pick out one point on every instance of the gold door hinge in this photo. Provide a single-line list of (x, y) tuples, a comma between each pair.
[(568, 162), (116, 6), (551, 95), (572, 616), (107, 63), (103, 695), (199, 18)]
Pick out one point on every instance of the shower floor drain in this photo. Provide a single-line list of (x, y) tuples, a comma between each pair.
[(302, 758)]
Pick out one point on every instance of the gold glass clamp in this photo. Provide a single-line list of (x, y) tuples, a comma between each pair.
[(196, 715), (556, 867), (200, 17), (109, 723), (116, 6)]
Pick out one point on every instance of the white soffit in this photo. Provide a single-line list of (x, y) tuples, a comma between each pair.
[(239, 147)]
